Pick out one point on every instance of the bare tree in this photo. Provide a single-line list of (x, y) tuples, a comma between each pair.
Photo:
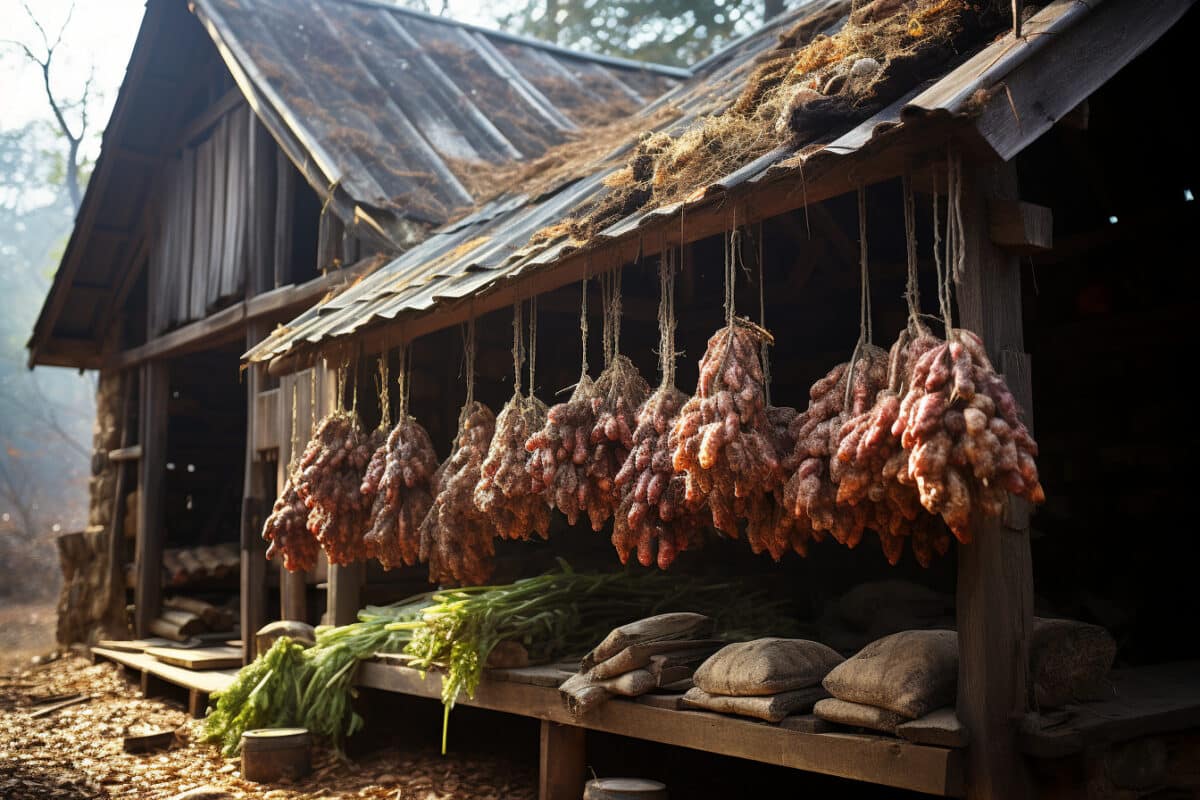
[(61, 107)]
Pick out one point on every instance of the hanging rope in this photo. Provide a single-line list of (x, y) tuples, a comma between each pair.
[(912, 286), (954, 178), (385, 400), (865, 332), (583, 329), (939, 265), (532, 343), (950, 263), (295, 438), (518, 347), (730, 277), (764, 348), (666, 317), (469, 367), (404, 365)]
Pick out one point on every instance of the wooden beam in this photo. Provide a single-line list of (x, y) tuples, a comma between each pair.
[(155, 393), (824, 178), (875, 759), (1033, 97), (115, 547), (64, 352), (1020, 228), (131, 453), (208, 118), (228, 325), (562, 761), (995, 572)]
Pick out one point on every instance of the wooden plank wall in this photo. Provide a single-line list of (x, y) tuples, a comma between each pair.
[(219, 209)]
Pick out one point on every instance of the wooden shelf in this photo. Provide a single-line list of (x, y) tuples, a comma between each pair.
[(875, 759), (1145, 701)]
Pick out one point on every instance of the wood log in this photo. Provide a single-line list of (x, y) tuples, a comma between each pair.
[(215, 566), (175, 574), (178, 626), (210, 614), (146, 742), (192, 566)]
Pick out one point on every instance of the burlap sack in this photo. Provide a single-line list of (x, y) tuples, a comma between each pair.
[(772, 708), (765, 666), (910, 673), (1069, 661), (663, 627), (640, 655), (857, 715)]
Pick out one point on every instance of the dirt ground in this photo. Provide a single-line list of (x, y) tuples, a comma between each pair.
[(76, 753), (26, 630)]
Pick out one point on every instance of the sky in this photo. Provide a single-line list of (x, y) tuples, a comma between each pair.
[(100, 36)]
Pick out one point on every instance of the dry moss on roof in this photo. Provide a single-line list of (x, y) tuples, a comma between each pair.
[(806, 87)]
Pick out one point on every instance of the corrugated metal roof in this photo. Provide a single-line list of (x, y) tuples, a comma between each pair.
[(492, 247), (394, 106)]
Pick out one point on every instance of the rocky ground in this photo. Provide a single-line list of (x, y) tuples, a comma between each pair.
[(76, 753)]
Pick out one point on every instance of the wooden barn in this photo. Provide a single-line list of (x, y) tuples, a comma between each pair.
[(261, 155), (847, 176)]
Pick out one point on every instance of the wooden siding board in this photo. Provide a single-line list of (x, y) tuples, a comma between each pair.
[(218, 166)]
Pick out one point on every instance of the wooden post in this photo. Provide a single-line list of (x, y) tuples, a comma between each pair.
[(293, 586), (115, 616), (995, 572), (254, 505), (562, 764), (154, 397)]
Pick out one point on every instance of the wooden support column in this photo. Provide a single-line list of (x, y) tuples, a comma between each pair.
[(995, 572), (562, 764), (293, 586), (344, 595), (116, 527), (154, 397), (252, 593)]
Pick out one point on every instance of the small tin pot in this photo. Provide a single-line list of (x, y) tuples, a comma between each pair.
[(624, 789), (271, 754)]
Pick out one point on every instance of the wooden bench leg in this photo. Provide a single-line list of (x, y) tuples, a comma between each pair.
[(562, 764), (197, 703)]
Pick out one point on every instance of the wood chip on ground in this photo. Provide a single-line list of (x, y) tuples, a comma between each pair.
[(76, 754)]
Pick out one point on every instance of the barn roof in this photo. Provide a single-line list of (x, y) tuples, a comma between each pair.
[(386, 111), (998, 96)]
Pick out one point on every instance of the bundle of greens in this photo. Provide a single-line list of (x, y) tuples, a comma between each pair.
[(560, 613), (290, 686)]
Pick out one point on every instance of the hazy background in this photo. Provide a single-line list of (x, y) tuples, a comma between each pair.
[(46, 415)]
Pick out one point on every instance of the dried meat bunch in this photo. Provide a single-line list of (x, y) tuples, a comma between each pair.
[(653, 518), (563, 454), (624, 391), (722, 439), (811, 494), (962, 429), (506, 492), (769, 526), (287, 531), (329, 475), (456, 537), (399, 485), (867, 457)]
